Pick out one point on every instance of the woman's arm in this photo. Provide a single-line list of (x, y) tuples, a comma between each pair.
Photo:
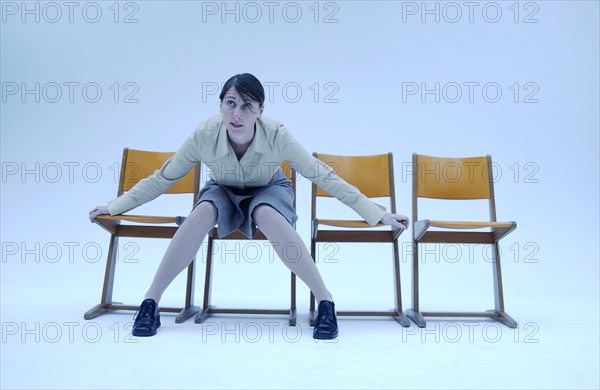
[(325, 177), (160, 181)]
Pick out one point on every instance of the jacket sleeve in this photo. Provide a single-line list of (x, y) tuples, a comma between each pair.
[(162, 179), (325, 177)]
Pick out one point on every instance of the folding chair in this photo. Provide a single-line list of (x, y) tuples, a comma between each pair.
[(374, 177), (457, 179), (137, 165), (207, 308)]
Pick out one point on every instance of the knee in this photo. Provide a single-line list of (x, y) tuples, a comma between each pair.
[(264, 215), (205, 213)]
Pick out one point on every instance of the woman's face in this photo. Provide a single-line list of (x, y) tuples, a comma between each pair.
[(239, 115)]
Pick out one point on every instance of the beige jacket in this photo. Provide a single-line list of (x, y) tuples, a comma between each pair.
[(272, 144)]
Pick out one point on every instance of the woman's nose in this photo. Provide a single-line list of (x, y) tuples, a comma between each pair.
[(237, 112)]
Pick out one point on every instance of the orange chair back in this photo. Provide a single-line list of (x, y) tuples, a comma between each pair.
[(370, 174), (288, 171), (139, 164), (452, 178), (291, 174)]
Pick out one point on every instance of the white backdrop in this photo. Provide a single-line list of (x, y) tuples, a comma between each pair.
[(516, 80)]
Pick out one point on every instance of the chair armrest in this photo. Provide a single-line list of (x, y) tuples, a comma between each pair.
[(500, 233), (314, 229), (498, 229), (396, 232), (111, 222), (419, 228)]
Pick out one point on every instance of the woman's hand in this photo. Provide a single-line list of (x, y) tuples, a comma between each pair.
[(396, 220), (96, 211)]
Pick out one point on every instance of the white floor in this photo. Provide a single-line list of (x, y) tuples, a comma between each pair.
[(47, 344)]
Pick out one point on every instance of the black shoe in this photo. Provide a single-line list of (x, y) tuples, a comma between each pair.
[(326, 323), (147, 320)]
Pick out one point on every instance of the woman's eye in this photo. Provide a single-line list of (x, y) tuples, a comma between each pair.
[(231, 103)]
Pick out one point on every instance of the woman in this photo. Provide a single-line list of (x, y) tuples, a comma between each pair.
[(243, 151)]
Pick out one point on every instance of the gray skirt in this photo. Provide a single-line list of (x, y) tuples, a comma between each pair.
[(235, 205)]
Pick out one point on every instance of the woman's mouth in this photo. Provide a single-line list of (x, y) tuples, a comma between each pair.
[(235, 126)]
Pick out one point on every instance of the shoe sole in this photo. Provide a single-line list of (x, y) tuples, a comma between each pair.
[(145, 333), (325, 337)]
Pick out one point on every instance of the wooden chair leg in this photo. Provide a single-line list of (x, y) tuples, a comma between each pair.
[(206, 307), (498, 314), (498, 292), (109, 281), (313, 253), (189, 310), (505, 319), (292, 320), (502, 317), (400, 317), (413, 313)]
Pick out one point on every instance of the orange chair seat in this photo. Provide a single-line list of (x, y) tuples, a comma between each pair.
[(137, 218), (347, 223), (468, 224), (423, 233)]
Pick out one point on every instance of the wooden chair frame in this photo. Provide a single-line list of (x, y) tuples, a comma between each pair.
[(358, 231), (457, 232), (149, 227), (208, 309)]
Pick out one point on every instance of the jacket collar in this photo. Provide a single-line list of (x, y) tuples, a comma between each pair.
[(260, 143)]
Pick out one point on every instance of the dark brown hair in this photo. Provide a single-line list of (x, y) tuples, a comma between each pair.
[(247, 86)]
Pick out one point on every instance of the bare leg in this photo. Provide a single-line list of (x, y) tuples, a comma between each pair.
[(183, 248), (291, 249)]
